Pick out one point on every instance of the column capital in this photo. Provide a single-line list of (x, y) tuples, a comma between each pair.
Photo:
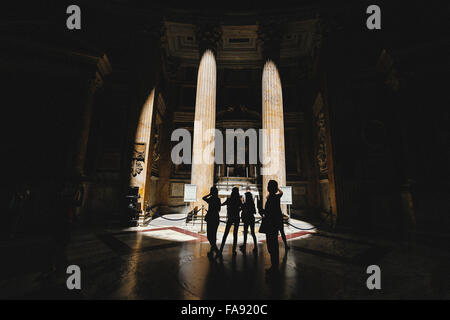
[(209, 36), (269, 37)]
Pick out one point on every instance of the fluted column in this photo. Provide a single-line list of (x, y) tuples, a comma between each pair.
[(273, 153), (204, 125), (141, 155)]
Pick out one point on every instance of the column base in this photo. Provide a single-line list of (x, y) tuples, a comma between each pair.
[(141, 219)]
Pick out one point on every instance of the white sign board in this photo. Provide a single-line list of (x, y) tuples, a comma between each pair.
[(190, 193), (287, 195)]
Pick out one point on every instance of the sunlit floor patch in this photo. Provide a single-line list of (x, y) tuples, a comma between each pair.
[(169, 234), (177, 229)]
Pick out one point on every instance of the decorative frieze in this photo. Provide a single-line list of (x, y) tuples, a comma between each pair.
[(321, 155)]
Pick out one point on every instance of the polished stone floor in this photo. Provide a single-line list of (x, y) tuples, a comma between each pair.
[(169, 261)]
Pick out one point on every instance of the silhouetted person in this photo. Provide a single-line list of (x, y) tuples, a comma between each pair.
[(283, 235), (234, 205), (272, 222), (212, 217), (248, 218)]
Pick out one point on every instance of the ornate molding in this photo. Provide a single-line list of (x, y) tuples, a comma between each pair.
[(321, 156), (136, 168), (137, 165)]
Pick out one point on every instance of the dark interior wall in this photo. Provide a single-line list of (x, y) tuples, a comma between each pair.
[(427, 144), (386, 125), (38, 133), (46, 71)]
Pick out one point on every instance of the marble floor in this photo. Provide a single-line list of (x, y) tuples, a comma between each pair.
[(168, 260)]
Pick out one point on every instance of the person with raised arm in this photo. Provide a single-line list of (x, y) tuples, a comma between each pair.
[(272, 223), (212, 217)]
